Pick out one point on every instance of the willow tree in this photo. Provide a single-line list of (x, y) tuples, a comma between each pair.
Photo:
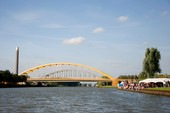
[(151, 62)]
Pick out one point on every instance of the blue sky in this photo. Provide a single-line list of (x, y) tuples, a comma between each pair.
[(111, 35)]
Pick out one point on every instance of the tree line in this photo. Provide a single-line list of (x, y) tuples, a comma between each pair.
[(162, 76), (142, 75), (6, 77), (128, 77)]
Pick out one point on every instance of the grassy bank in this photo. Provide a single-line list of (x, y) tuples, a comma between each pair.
[(107, 87), (154, 91), (160, 89)]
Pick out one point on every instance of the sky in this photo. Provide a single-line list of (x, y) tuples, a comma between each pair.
[(110, 35)]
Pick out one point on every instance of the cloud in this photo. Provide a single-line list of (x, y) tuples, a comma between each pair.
[(98, 30), (164, 13), (122, 18), (74, 41)]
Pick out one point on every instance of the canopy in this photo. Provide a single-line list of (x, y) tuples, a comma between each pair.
[(155, 80)]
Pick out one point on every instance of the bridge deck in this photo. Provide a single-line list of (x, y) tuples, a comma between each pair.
[(68, 80)]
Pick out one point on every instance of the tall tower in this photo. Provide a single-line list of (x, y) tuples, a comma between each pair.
[(17, 60)]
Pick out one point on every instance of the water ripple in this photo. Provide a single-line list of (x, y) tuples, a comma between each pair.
[(79, 100)]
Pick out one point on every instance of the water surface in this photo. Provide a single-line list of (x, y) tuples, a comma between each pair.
[(79, 100)]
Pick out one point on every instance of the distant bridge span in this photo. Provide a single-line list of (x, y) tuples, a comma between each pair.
[(66, 78)]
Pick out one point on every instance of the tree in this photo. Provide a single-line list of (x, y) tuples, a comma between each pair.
[(136, 77), (151, 62), (7, 76), (142, 76), (100, 83), (1, 77), (10, 78), (22, 78)]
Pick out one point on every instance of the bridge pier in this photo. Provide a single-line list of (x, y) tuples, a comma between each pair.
[(115, 82)]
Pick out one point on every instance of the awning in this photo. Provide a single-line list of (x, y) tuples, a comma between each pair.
[(155, 80)]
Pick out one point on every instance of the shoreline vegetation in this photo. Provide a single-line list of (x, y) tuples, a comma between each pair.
[(8, 78), (154, 91), (107, 87)]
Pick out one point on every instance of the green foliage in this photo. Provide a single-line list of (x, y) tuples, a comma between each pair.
[(99, 84), (56, 84), (10, 78), (22, 78), (1, 77), (128, 77), (151, 62), (142, 76), (104, 77), (162, 76), (53, 84)]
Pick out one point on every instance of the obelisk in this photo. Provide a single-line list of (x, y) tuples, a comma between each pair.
[(17, 60)]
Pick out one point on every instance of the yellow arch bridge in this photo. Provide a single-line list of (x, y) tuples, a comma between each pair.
[(66, 72)]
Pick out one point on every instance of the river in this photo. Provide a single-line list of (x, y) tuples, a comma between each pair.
[(79, 100)]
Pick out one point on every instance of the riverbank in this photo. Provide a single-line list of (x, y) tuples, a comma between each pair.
[(106, 87), (160, 89), (151, 91)]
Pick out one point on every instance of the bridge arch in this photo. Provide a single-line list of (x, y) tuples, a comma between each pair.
[(67, 63)]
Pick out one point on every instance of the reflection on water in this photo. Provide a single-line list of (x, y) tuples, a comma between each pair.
[(79, 100)]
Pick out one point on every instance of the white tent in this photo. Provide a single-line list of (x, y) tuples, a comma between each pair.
[(155, 80)]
